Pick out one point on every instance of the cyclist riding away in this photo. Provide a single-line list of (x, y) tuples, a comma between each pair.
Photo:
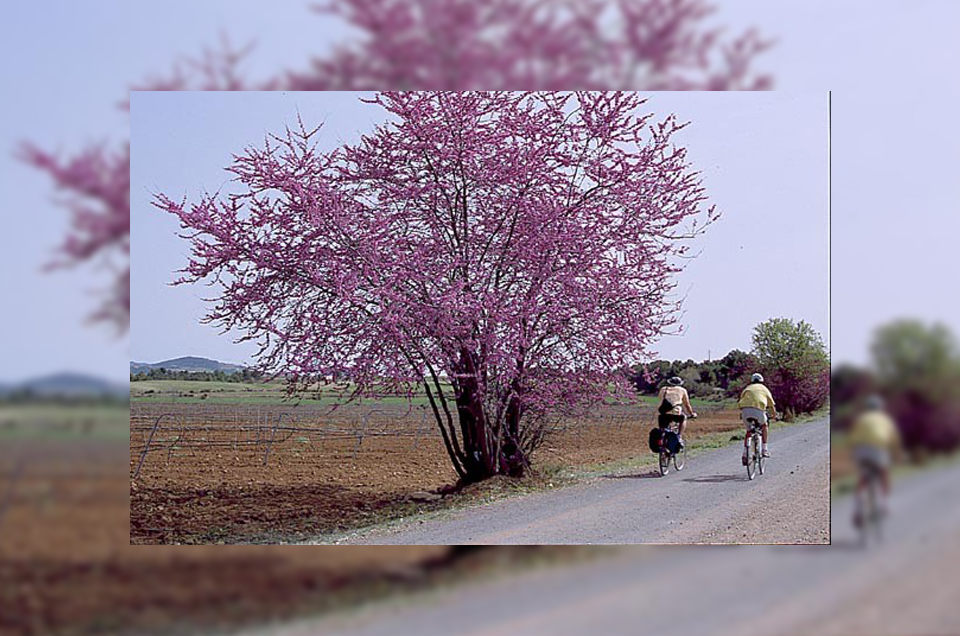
[(755, 401), (677, 396), (872, 437)]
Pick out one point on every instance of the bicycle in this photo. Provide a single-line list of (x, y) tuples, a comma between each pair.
[(678, 458), (868, 514), (754, 448)]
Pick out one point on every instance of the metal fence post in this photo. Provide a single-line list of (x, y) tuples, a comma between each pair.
[(273, 436), (146, 448)]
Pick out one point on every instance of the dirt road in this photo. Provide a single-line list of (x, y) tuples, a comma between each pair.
[(710, 501), (907, 585)]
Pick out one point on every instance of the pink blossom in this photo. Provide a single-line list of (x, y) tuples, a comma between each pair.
[(99, 186)]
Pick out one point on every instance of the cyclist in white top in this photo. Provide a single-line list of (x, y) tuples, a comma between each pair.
[(678, 396)]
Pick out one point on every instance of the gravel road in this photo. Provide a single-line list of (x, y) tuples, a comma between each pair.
[(905, 586), (709, 501)]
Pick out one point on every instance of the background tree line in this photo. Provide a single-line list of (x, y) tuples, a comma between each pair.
[(709, 379), (791, 355), (245, 375), (916, 367), (29, 397)]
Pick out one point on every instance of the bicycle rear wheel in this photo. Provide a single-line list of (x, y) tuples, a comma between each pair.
[(752, 456), (876, 513), (864, 517)]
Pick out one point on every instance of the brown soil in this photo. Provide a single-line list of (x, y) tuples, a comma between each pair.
[(68, 500), (211, 492)]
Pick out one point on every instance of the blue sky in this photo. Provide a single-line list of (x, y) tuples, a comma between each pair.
[(890, 64)]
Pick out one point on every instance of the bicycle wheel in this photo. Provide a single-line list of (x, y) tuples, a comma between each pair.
[(664, 462), (751, 457), (860, 517), (876, 520), (759, 452), (679, 459)]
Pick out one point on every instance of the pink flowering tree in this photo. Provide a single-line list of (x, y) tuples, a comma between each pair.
[(97, 185), (534, 45), (502, 253), (433, 45), (505, 45)]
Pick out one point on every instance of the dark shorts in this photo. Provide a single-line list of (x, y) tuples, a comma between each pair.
[(665, 420)]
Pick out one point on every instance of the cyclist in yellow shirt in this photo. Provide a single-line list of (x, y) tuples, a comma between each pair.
[(755, 401), (872, 437)]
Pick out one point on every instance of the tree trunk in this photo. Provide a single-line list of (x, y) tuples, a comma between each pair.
[(488, 452), (511, 455), (485, 457), (472, 429)]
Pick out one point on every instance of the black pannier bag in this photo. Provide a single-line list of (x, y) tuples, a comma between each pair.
[(672, 441), (655, 439)]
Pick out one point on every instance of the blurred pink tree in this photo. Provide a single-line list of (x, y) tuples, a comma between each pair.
[(505, 253), (532, 45), (434, 45), (506, 45), (98, 183)]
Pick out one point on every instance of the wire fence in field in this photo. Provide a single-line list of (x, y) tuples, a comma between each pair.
[(176, 428), (169, 427)]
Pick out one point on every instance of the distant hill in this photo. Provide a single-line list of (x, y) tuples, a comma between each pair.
[(186, 363), (69, 385)]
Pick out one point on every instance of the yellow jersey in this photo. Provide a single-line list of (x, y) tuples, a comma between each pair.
[(757, 396), (874, 428)]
